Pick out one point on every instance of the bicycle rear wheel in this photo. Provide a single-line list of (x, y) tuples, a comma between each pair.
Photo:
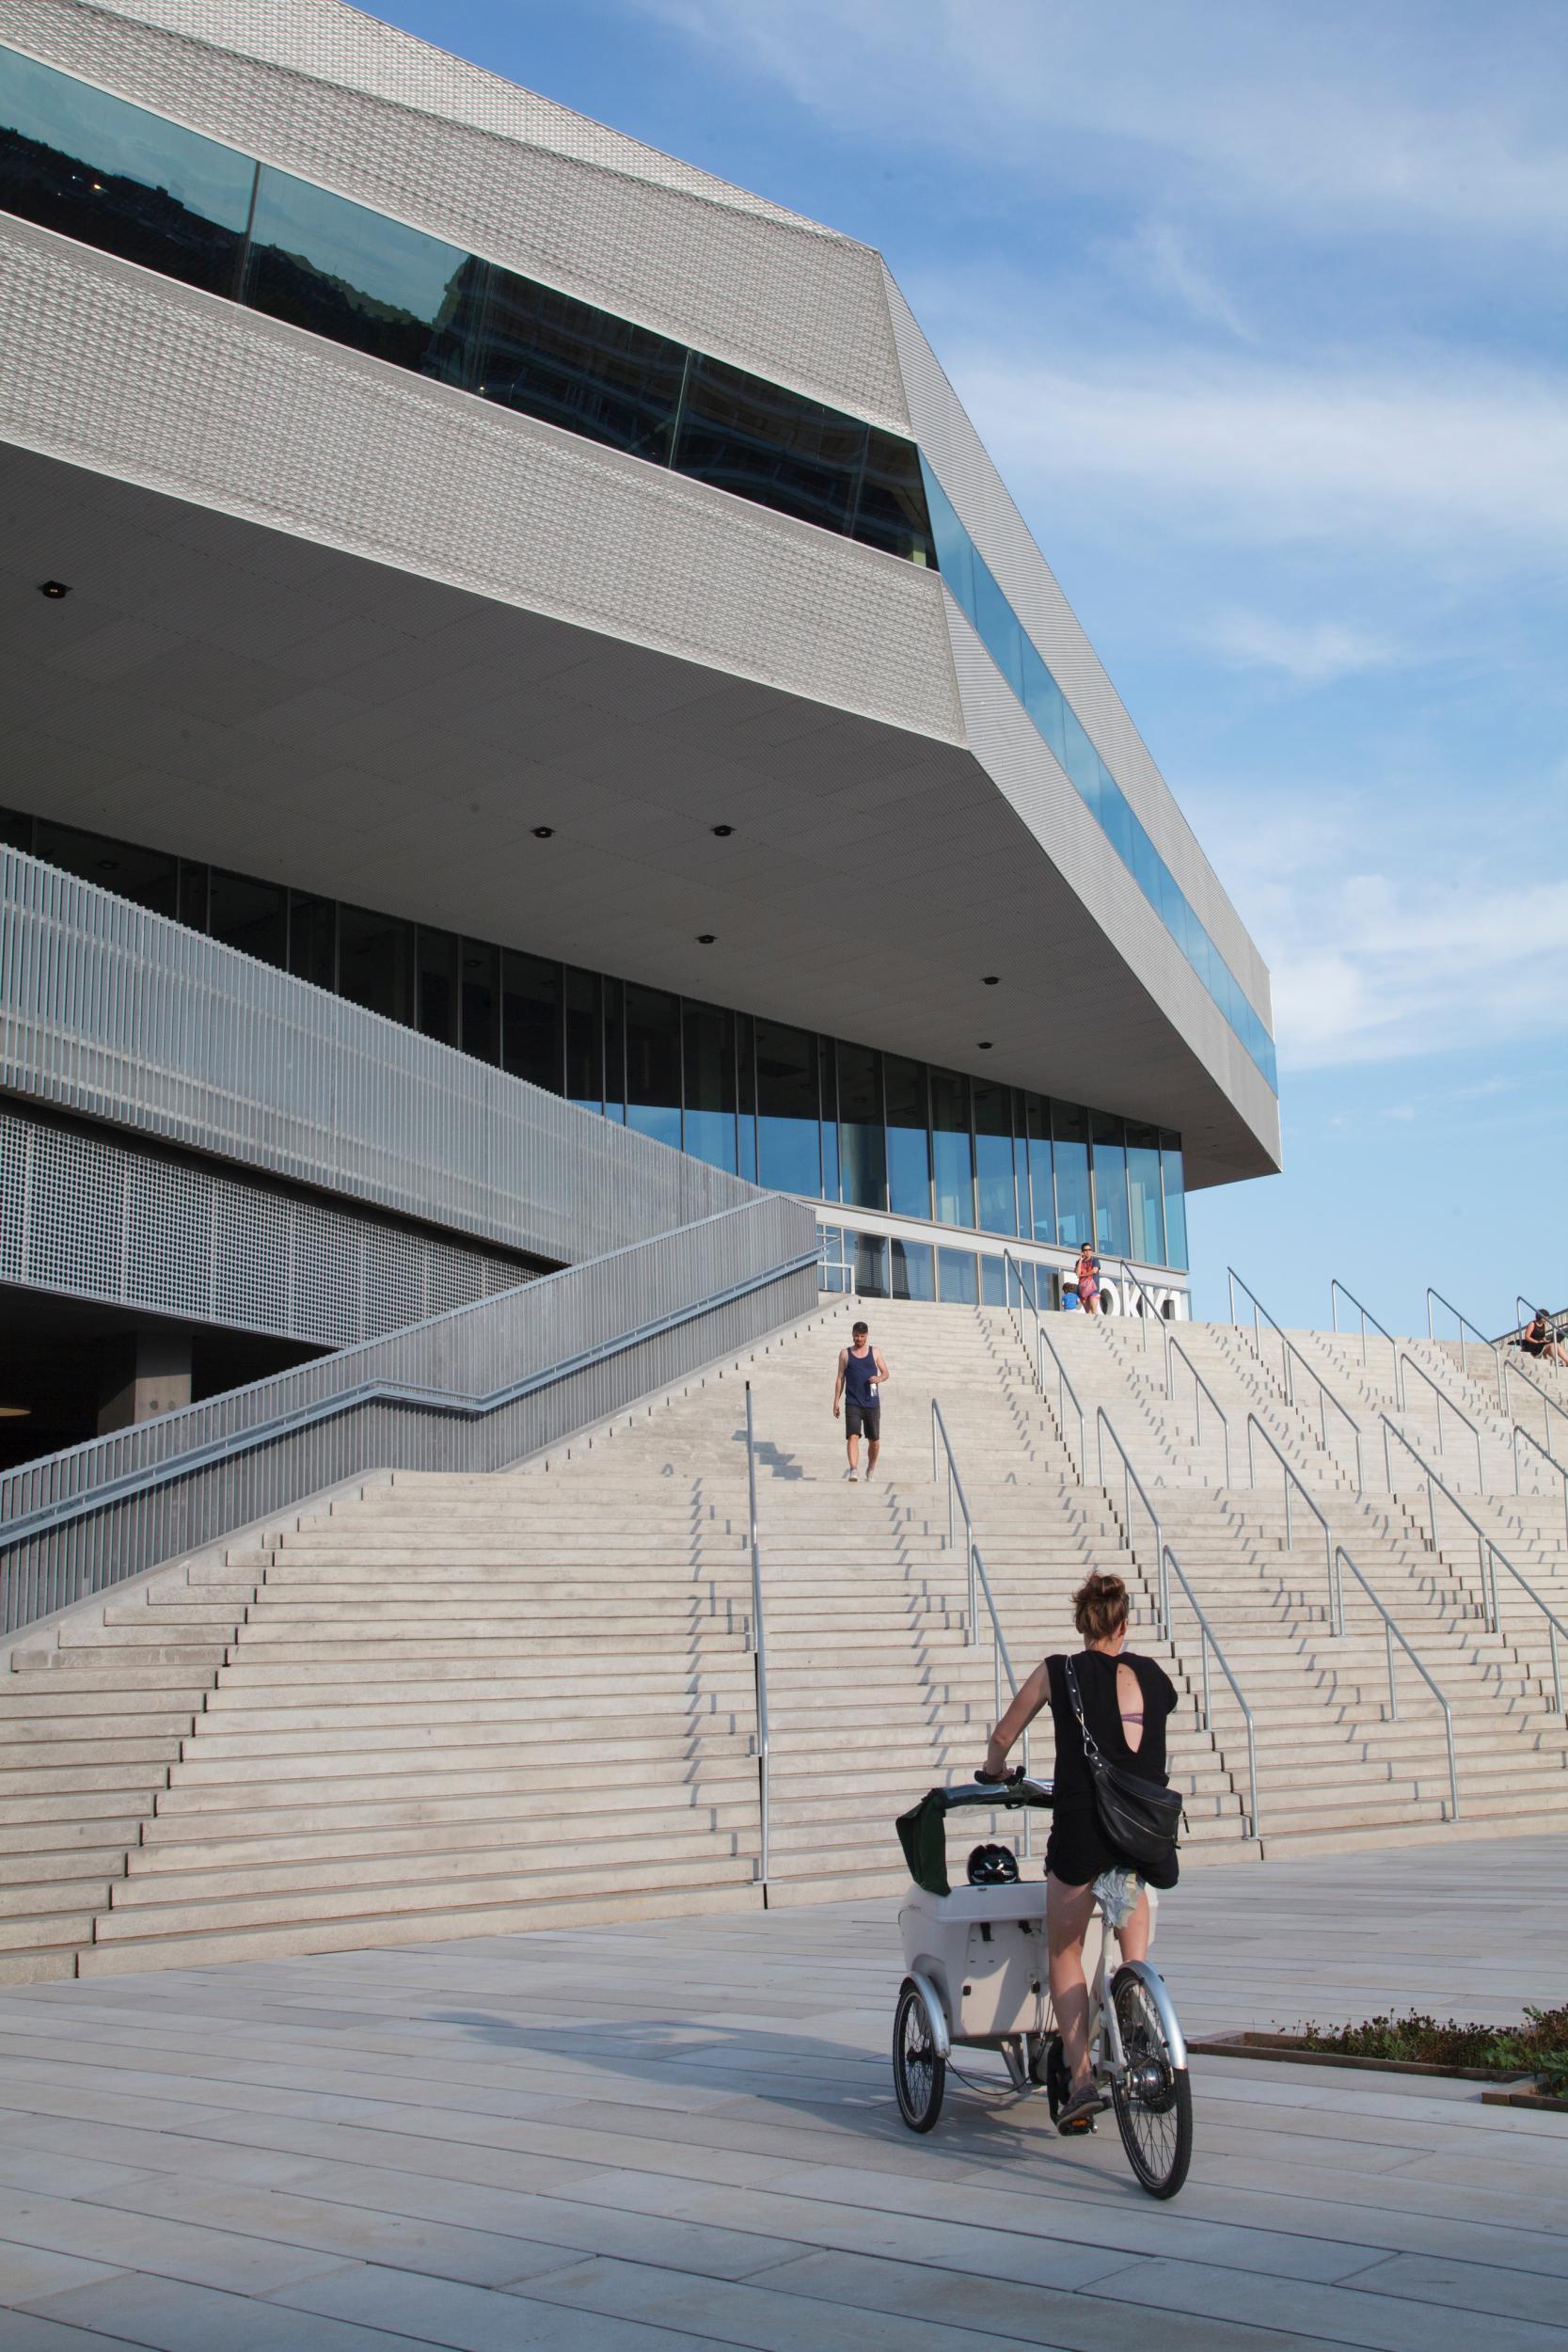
[(919, 2071), (1154, 2099)]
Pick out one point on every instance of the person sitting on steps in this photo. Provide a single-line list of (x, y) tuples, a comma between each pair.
[(1537, 1341), (861, 1372)]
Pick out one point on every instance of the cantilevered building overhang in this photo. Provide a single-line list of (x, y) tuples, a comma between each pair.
[(339, 622)]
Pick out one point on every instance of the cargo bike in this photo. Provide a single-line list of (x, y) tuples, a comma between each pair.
[(976, 1978)]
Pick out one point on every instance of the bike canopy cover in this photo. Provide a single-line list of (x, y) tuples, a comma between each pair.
[(923, 1831)]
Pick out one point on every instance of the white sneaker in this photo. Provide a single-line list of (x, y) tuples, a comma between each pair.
[(853, 1481)]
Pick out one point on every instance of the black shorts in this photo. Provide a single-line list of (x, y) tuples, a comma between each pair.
[(864, 1421)]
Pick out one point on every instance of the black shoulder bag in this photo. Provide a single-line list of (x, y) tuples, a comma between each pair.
[(1136, 1817)]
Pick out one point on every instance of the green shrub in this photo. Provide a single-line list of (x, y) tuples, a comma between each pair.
[(1538, 2046)]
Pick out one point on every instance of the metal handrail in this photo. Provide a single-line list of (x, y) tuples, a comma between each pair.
[(1290, 1354), (1154, 1314), (1028, 1296), (1334, 1288), (1392, 1633), (759, 1653), (1517, 1371), (1293, 1477), (1103, 1424), (1551, 1461), (1201, 1390), (1065, 1385), (1464, 1325), (1489, 1550), (976, 1571), (1209, 1642), (955, 1486), (1444, 1398)]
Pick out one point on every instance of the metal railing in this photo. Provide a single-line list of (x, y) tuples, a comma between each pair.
[(1392, 1633), (1338, 1289), (1488, 1550), (1200, 1391), (978, 1584), (759, 1655), (1404, 1358), (1291, 1355), (1292, 1478), (1131, 1482), (471, 1389), (1464, 1325), (1065, 1394), (1552, 1463), (1152, 1312), (1208, 1642)]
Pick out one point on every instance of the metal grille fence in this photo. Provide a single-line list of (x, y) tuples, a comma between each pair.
[(120, 1015), (89, 1215), (468, 1390)]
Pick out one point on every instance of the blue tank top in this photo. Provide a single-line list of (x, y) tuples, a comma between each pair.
[(860, 1378)]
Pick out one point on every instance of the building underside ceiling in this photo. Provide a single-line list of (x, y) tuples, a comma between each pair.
[(281, 708)]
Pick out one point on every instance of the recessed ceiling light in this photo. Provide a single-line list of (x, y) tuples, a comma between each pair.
[(705, 938), (723, 831), (544, 833), (53, 589), (984, 1046), (991, 979)]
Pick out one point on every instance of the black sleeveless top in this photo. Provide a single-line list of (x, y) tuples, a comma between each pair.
[(1076, 1851)]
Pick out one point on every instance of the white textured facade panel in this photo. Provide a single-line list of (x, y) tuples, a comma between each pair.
[(317, 89), (184, 393), (966, 472), (1005, 744)]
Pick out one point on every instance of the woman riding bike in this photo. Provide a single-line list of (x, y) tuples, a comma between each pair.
[(1125, 1702)]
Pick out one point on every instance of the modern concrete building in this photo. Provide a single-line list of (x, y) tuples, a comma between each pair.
[(486, 608)]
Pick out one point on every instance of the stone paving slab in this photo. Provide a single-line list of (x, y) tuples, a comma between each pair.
[(682, 2134)]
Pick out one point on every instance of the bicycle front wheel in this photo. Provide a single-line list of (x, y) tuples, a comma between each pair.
[(1154, 2099)]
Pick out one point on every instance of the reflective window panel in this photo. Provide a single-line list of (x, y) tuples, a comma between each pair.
[(913, 1270), (1145, 1202), (579, 367), (1042, 1189), (532, 996), (114, 176), (654, 1063), (871, 1265), (375, 963), (909, 1147), (481, 991), (148, 877), (1176, 1199), (740, 433), (993, 1281), (891, 513), (746, 1089), (994, 1157), (1070, 1152), (950, 1149), (437, 985), (862, 1138), (340, 270), (313, 938), (252, 917), (788, 1150), (1112, 1234), (614, 1052), (956, 1277), (709, 1131), (827, 1067)]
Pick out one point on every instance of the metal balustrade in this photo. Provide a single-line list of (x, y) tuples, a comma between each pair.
[(1392, 1633), (1290, 1355), (1208, 1642), (759, 1656), (979, 1585), (1132, 1483), (1338, 1289), (1200, 1391), (1292, 1478), (1408, 1362)]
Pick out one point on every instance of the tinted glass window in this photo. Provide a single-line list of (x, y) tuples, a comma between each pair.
[(584, 1031), (827, 1066), (654, 1064), (249, 916), (147, 877), (908, 1145), (1176, 1200), (347, 273), (789, 1157), (114, 176), (998, 625), (862, 1138), (709, 1042), (614, 1052), (481, 1000), (437, 995), (1146, 1208), (950, 1147), (746, 1087), (994, 1159), (1042, 1189), (744, 435), (993, 1281), (870, 1266), (1071, 1151), (580, 368), (16, 830), (1111, 1230), (956, 1277), (375, 962), (892, 511), (913, 1270), (313, 939), (955, 554), (195, 881)]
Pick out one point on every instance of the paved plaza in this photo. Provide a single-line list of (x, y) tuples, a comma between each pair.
[(685, 2136)]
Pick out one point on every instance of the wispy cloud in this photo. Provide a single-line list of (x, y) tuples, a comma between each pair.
[(1312, 654)]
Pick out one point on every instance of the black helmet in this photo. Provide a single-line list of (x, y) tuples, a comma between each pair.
[(994, 1866)]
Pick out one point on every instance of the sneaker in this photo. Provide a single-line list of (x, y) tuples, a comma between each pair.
[(1081, 2108), (853, 1480)]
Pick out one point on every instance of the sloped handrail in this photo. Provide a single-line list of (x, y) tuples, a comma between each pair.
[(1464, 1325), (954, 1489), (1551, 1461), (1152, 1313), (1392, 1633), (1208, 1642), (1065, 1388), (759, 1655), (1292, 1478), (1106, 1427), (1444, 1398), (1508, 1370), (979, 1583), (1338, 1289), (1291, 1353), (1201, 1390), (1490, 1551)]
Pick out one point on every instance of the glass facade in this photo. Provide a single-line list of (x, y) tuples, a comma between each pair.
[(116, 176), (818, 1116), (975, 589)]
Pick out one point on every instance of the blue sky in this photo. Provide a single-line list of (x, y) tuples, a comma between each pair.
[(1261, 311)]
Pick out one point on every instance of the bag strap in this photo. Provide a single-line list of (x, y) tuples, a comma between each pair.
[(1090, 1750)]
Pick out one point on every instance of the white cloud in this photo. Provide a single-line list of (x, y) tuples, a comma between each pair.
[(1313, 654)]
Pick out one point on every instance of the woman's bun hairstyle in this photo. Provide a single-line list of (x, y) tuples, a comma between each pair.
[(1100, 1607)]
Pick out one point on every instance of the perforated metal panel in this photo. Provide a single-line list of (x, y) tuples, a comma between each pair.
[(110, 1221)]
